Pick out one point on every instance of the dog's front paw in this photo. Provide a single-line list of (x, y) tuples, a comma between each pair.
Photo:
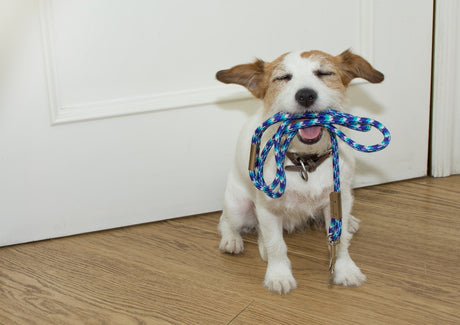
[(346, 273), (279, 279), (231, 244)]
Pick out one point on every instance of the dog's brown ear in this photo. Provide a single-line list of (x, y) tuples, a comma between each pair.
[(249, 75), (354, 66)]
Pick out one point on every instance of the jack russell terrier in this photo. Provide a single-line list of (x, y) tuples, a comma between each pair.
[(295, 83)]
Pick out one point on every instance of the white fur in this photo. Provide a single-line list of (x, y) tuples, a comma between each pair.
[(245, 206)]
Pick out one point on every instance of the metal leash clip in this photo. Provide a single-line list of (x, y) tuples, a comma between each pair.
[(332, 256)]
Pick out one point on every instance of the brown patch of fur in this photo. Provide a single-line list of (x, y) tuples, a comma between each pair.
[(254, 76), (319, 54), (354, 66), (249, 75)]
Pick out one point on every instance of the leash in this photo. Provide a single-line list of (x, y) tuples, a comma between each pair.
[(280, 141)]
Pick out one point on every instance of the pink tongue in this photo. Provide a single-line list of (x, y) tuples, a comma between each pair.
[(310, 133)]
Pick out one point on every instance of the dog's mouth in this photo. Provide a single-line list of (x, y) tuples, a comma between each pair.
[(310, 135)]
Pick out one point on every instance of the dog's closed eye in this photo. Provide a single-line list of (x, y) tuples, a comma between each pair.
[(285, 77), (323, 73)]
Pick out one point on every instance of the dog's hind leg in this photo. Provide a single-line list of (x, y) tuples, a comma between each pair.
[(353, 224), (261, 244), (238, 214)]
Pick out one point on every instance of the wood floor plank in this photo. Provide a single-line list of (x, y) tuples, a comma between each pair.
[(172, 272), (63, 282), (270, 314)]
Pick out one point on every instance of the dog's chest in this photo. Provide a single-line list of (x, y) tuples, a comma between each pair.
[(304, 199)]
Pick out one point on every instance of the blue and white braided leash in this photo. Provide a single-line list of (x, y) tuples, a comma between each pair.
[(289, 125)]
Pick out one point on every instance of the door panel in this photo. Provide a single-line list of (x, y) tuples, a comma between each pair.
[(110, 114), (445, 138)]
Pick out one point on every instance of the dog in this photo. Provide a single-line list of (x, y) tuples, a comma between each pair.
[(296, 82)]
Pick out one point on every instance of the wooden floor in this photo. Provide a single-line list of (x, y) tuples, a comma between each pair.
[(172, 272)]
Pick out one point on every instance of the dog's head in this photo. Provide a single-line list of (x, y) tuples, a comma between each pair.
[(301, 81)]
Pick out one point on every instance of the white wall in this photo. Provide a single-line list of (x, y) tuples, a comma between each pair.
[(68, 164)]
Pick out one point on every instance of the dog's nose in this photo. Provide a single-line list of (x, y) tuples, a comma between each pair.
[(306, 97)]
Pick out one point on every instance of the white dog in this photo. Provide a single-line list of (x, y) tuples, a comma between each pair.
[(295, 83)]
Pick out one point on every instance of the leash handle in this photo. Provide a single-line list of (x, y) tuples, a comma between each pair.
[(289, 124)]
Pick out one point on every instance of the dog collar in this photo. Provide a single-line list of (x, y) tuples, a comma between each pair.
[(306, 163)]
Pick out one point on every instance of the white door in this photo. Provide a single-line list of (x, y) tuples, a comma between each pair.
[(110, 114), (445, 139)]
